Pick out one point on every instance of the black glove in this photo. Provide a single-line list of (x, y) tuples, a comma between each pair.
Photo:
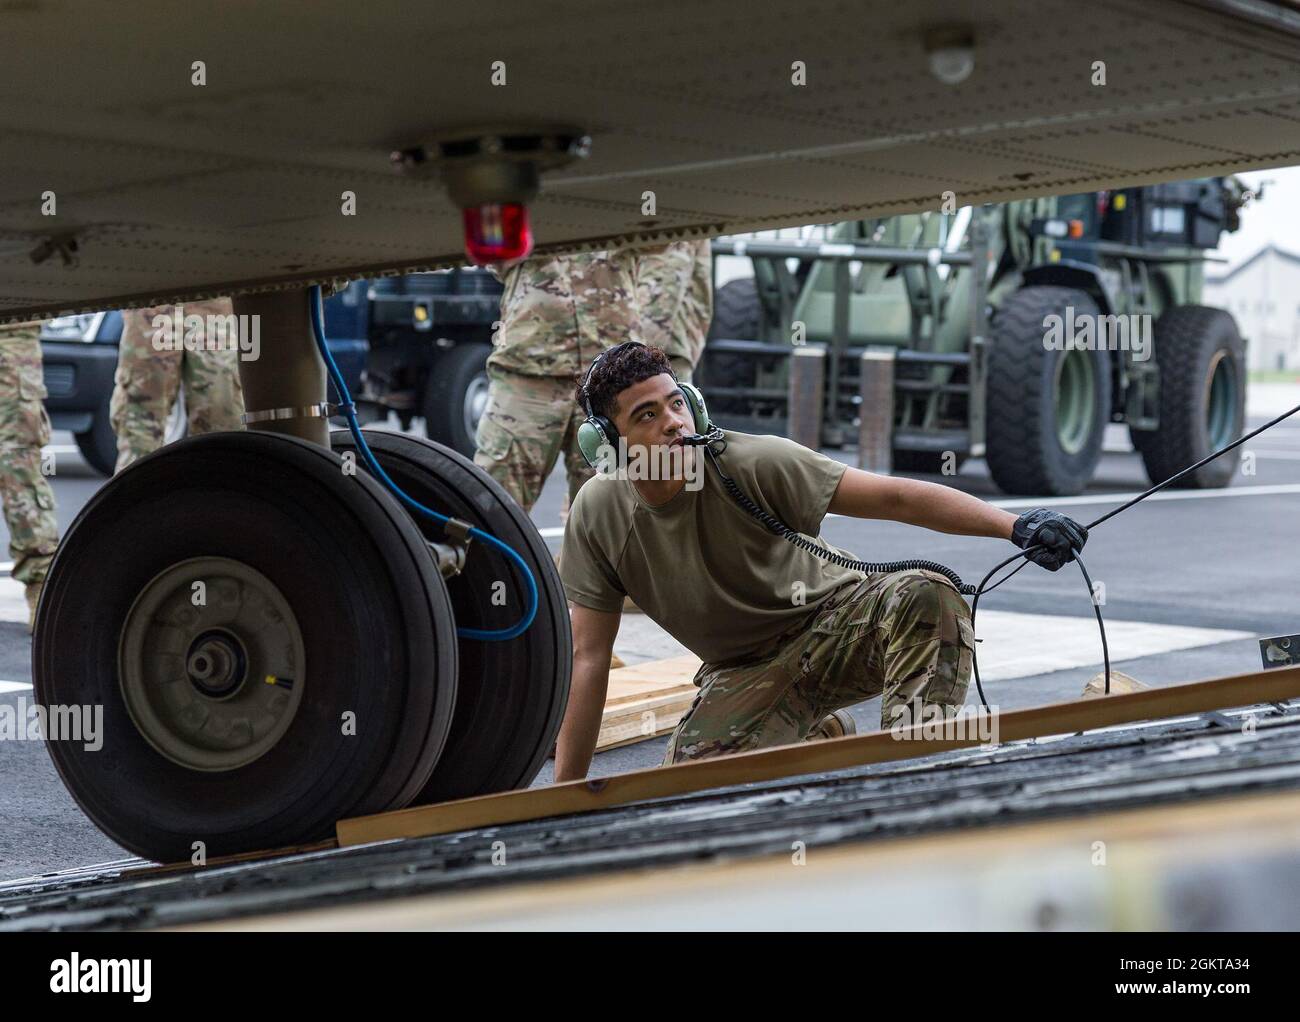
[(1061, 537)]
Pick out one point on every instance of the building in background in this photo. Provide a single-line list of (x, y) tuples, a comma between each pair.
[(1263, 294)]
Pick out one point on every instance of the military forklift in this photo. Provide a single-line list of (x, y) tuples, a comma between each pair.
[(1012, 332)]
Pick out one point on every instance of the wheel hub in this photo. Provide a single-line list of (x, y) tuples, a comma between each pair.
[(211, 663), (476, 398), (1074, 397), (217, 665), (1220, 401)]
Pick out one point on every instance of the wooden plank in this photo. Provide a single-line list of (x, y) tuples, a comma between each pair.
[(664, 688), (655, 676), (815, 757), (628, 723)]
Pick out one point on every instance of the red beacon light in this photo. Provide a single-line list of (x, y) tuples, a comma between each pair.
[(496, 232)]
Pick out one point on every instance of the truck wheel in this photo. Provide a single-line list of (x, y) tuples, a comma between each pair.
[(736, 316), (98, 445), (280, 653), (455, 395), (510, 695), (1047, 406), (1201, 361)]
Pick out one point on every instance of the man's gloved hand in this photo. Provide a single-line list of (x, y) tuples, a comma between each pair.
[(1061, 536)]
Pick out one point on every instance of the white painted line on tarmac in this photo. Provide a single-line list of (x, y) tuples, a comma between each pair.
[(14, 686), (1017, 645)]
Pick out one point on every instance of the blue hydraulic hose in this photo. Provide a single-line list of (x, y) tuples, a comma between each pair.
[(348, 409)]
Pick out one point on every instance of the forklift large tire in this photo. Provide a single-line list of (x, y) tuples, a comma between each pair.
[(1201, 360), (1047, 407), (511, 695), (456, 395), (268, 639), (736, 312), (737, 316)]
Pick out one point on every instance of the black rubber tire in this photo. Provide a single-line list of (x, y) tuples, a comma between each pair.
[(1187, 339), (511, 695), (453, 374), (930, 462), (736, 312), (98, 445), (1024, 453), (736, 316), (373, 612)]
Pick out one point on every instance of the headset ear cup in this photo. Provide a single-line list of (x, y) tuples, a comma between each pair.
[(598, 442), (696, 400), (590, 442)]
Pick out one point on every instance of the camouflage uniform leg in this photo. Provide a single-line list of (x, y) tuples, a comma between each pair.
[(906, 635), (214, 397), (24, 430), (682, 368), (524, 427), (928, 658), (144, 386)]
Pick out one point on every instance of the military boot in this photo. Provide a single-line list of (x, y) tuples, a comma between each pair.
[(837, 725)]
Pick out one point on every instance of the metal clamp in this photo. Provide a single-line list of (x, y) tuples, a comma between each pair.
[(322, 410), (457, 531)]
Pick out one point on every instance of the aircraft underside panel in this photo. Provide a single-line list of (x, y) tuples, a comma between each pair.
[(185, 151)]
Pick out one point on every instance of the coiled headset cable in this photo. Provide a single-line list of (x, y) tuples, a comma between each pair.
[(779, 527)]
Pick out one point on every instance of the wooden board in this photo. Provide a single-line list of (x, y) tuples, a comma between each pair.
[(815, 757), (646, 700)]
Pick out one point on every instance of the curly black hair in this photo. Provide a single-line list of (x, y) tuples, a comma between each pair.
[(621, 367)]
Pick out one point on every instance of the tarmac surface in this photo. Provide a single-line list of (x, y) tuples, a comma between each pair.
[(1192, 580)]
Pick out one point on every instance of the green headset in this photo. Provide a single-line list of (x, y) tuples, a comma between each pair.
[(600, 432)]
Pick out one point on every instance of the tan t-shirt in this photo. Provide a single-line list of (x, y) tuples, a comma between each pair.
[(701, 567)]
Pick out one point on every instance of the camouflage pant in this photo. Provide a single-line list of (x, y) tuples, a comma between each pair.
[(529, 421), (24, 430), (907, 635), (147, 381), (682, 368)]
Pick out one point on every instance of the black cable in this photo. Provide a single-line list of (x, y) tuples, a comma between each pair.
[(779, 527), (975, 603)]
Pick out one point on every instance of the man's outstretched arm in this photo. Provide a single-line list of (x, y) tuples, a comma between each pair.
[(1052, 537), (593, 642), (929, 505)]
